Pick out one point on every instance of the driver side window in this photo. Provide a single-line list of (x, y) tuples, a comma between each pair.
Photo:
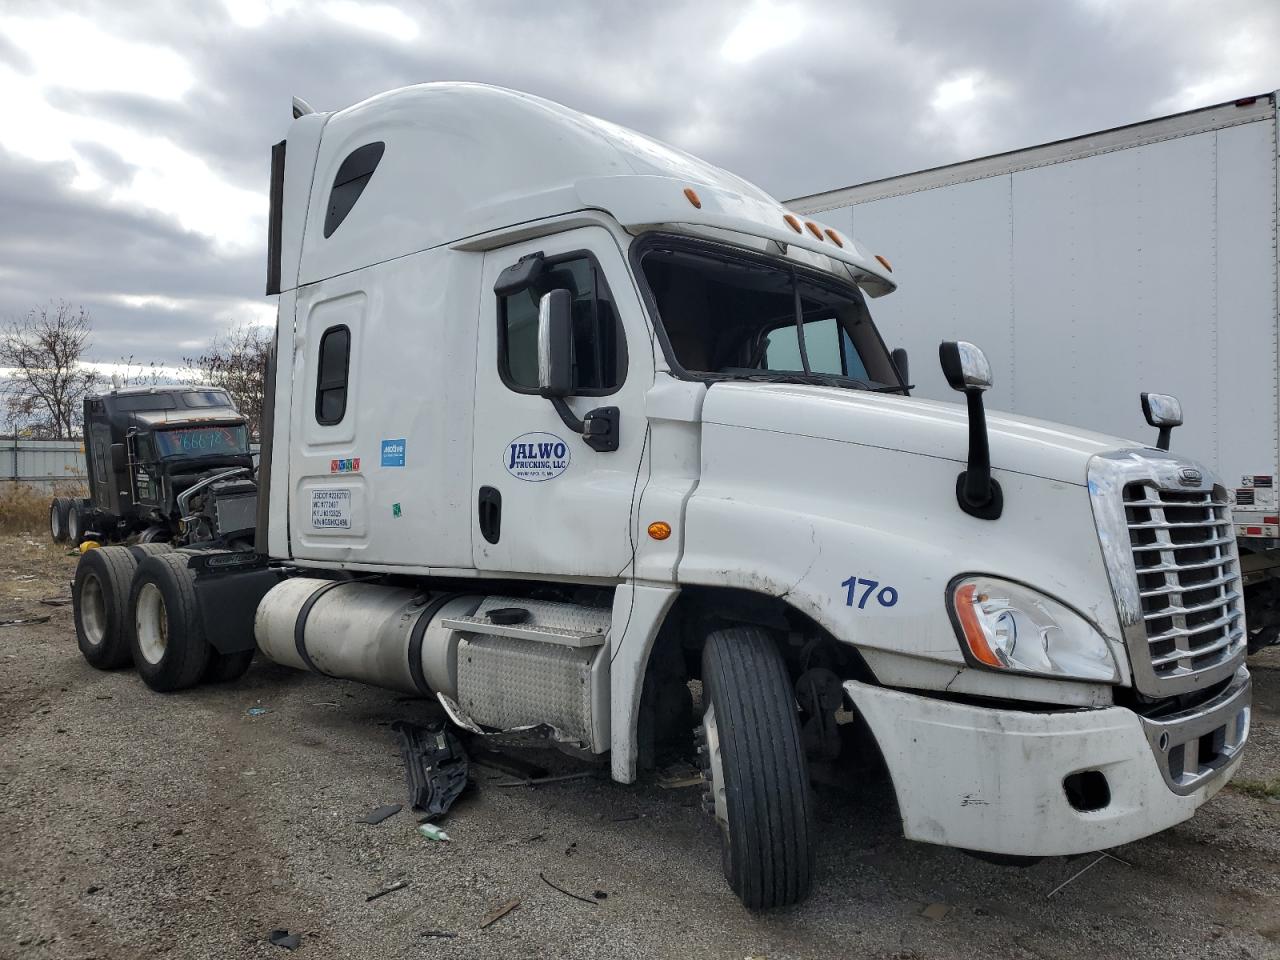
[(600, 355)]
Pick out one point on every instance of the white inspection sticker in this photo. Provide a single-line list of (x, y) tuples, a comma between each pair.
[(331, 508)]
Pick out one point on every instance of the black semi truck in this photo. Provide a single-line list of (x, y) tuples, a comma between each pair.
[(166, 464)]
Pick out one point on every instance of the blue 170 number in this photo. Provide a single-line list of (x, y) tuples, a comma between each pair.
[(861, 590)]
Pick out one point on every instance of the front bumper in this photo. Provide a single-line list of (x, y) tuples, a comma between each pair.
[(992, 779)]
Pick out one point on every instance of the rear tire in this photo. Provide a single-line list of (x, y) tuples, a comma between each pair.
[(166, 633), (755, 766), (75, 522), (58, 519), (151, 549), (100, 603)]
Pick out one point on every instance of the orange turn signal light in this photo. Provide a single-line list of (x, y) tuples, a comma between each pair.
[(692, 196), (885, 263), (659, 530), (814, 228), (966, 601), (834, 237), (792, 221)]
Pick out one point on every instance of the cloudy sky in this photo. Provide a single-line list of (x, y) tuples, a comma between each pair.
[(135, 137)]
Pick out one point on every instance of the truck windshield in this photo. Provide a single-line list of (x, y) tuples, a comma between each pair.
[(225, 441), (731, 314)]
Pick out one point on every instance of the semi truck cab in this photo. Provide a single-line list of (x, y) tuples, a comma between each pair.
[(563, 419)]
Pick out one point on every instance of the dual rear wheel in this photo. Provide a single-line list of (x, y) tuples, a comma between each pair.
[(139, 604)]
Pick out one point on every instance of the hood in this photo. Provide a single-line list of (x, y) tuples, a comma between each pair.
[(927, 428)]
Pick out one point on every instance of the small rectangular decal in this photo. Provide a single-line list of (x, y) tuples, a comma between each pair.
[(331, 508), (350, 465), (393, 453)]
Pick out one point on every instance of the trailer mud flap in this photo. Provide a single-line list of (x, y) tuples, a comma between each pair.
[(229, 594)]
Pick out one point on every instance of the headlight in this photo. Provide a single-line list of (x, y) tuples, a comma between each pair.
[(1006, 626)]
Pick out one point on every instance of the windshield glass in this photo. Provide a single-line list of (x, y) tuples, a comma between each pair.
[(203, 441), (734, 315)]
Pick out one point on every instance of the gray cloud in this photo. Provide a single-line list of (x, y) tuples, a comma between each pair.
[(850, 99)]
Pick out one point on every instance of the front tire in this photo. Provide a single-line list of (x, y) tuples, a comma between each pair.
[(167, 636), (100, 603), (755, 768)]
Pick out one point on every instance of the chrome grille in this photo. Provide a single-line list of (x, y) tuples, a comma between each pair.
[(1166, 533), (1188, 579)]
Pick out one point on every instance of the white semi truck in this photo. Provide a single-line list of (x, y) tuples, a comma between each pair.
[(562, 419), (1145, 254)]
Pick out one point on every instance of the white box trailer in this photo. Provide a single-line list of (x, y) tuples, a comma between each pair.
[(1141, 258)]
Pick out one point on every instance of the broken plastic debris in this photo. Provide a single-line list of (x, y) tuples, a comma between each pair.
[(680, 775), (381, 813), (935, 911), (435, 765), (256, 711), (283, 938), (432, 832)]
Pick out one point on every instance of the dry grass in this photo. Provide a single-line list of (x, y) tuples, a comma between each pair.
[(25, 508), (1262, 789)]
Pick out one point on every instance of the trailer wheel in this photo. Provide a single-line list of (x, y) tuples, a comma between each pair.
[(225, 667), (755, 769), (167, 636), (100, 603), (58, 519)]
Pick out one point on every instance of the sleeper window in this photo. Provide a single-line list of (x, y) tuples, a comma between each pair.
[(331, 375), (600, 357)]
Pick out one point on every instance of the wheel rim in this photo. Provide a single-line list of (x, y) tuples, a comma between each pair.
[(93, 610), (713, 771), (55, 528), (152, 624), (73, 523)]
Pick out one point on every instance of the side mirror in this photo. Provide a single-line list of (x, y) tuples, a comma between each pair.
[(1163, 412), (555, 344), (899, 355), (965, 366), (119, 458), (967, 370)]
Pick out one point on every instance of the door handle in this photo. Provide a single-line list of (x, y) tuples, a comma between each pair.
[(489, 513)]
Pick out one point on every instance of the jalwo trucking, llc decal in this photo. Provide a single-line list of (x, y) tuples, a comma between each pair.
[(536, 457)]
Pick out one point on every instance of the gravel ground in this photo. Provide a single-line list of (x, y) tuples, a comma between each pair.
[(136, 824)]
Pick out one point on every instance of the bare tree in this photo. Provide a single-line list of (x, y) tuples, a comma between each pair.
[(45, 382), (236, 360)]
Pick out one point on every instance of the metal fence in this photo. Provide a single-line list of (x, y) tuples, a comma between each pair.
[(41, 463), (48, 463)]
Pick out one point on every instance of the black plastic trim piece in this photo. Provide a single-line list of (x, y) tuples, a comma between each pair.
[(300, 625), (275, 218)]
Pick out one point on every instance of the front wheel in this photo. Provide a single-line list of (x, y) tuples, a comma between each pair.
[(58, 507), (755, 769), (169, 646)]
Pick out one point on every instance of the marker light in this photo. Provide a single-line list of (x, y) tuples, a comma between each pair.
[(885, 263), (659, 530), (692, 196), (814, 228), (835, 237), (1009, 626), (792, 221)]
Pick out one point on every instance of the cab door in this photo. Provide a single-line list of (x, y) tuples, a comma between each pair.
[(545, 502)]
